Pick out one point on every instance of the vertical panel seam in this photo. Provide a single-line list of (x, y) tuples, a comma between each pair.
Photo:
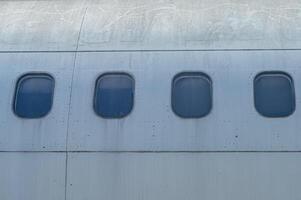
[(70, 97)]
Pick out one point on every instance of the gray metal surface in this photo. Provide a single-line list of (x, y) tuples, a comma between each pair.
[(232, 125), (178, 176), (45, 134), (142, 24), (234, 153), (32, 176), (40, 25)]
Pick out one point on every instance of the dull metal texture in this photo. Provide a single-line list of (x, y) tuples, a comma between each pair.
[(178, 176), (44, 134), (32, 176), (149, 25), (40, 25), (232, 125)]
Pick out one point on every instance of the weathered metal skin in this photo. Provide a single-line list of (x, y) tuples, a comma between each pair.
[(149, 25), (233, 153)]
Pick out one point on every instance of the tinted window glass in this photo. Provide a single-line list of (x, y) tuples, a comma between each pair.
[(33, 95), (192, 95), (274, 94), (114, 95)]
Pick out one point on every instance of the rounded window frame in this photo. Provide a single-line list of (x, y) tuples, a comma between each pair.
[(130, 76), (190, 74), (17, 88), (275, 72)]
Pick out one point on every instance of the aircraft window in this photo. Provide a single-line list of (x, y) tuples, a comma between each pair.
[(33, 95), (274, 94), (114, 95), (191, 94)]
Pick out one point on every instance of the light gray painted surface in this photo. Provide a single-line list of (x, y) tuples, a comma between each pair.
[(44, 134), (189, 176), (40, 25), (232, 125), (142, 24), (191, 24), (130, 26), (32, 176)]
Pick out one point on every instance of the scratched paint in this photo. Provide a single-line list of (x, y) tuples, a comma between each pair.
[(72, 154), (144, 25)]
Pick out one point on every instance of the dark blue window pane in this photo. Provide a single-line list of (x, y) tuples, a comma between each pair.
[(274, 94), (114, 95), (192, 95), (33, 96)]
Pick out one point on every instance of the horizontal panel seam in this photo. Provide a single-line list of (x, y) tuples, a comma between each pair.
[(143, 50)]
